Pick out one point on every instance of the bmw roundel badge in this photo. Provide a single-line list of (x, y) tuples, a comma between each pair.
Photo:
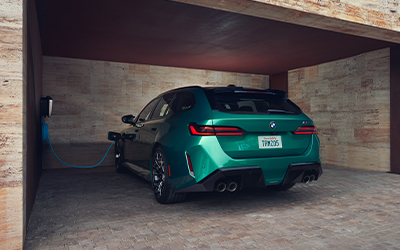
[(272, 125)]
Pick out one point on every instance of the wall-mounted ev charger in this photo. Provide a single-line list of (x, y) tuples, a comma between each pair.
[(46, 108)]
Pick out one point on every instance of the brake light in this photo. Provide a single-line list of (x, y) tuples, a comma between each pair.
[(201, 130), (305, 131), (190, 165), (195, 129)]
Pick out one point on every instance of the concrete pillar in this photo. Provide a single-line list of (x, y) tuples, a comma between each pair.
[(11, 124), (395, 109)]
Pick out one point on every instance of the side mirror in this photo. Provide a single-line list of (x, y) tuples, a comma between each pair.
[(128, 119), (114, 136)]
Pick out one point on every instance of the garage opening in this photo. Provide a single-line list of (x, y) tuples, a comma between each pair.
[(103, 60)]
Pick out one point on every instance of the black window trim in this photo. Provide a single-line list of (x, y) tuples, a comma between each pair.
[(209, 92), (151, 112), (169, 104), (176, 95), (193, 96)]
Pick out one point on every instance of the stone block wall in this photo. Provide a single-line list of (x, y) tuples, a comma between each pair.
[(90, 97), (349, 101), (390, 7), (11, 124), (378, 13)]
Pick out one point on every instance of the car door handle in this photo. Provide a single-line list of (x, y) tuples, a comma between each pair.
[(153, 129), (137, 130)]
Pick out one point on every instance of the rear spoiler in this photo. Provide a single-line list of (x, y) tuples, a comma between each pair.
[(277, 92), (232, 88)]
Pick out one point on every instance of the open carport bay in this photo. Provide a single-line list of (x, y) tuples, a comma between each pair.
[(100, 209), (117, 53)]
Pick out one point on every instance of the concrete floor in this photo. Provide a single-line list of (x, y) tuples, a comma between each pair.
[(100, 209)]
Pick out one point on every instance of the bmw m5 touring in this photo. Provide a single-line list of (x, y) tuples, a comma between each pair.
[(199, 139)]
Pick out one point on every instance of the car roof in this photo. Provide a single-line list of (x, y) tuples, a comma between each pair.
[(230, 88)]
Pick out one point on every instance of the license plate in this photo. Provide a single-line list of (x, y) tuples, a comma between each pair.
[(270, 141)]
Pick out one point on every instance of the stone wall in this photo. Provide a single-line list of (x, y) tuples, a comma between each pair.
[(11, 120), (390, 7), (349, 101), (378, 13), (90, 97)]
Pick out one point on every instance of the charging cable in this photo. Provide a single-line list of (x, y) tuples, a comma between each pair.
[(46, 138)]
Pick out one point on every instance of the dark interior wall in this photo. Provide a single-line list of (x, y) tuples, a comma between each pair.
[(395, 109), (279, 81), (32, 123)]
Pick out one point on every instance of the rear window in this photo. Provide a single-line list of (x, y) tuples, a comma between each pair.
[(251, 102)]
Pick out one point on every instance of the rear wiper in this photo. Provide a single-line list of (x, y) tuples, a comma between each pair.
[(280, 111)]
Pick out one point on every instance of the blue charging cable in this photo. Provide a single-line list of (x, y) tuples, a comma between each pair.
[(46, 138)]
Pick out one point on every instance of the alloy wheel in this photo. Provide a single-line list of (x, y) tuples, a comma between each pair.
[(158, 173)]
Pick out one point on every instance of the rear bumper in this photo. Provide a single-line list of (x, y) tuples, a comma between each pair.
[(211, 163), (244, 176), (252, 176), (298, 171)]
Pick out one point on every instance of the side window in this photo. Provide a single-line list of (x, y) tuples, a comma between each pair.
[(163, 107), (185, 101), (146, 112)]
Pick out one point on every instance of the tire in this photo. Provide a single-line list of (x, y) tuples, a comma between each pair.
[(119, 158), (161, 186), (281, 187)]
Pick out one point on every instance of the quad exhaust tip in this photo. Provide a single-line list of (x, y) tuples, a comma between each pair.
[(231, 187), (308, 178), (220, 187)]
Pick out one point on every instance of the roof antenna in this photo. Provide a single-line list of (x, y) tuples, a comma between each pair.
[(231, 86)]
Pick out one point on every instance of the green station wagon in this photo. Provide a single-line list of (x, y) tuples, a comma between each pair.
[(203, 139)]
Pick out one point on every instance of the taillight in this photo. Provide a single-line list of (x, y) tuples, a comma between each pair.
[(190, 165), (305, 131), (195, 129)]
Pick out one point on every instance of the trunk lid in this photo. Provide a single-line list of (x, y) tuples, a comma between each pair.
[(258, 129), (268, 117)]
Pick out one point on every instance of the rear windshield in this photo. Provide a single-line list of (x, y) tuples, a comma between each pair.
[(251, 102)]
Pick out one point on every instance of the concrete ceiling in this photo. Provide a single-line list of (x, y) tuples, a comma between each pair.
[(160, 32)]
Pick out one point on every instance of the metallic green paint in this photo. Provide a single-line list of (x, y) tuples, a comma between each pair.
[(208, 153), (246, 146)]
